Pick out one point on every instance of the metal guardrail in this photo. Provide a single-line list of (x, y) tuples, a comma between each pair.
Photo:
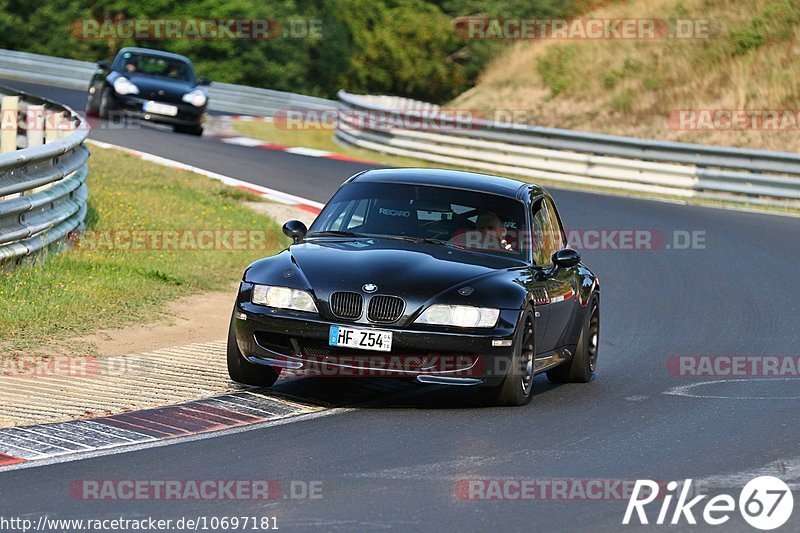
[(756, 177), (43, 173), (224, 97)]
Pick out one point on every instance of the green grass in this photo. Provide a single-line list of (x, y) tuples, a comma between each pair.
[(555, 66), (96, 286), (776, 22)]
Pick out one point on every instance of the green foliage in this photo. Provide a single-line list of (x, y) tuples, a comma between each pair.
[(629, 66), (404, 47), (652, 82), (622, 101), (555, 67), (775, 22), (747, 38)]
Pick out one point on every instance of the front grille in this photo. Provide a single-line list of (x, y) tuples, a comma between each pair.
[(346, 304), (385, 308)]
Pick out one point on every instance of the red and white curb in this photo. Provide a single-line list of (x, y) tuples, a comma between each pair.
[(22, 445), (228, 137), (250, 118), (259, 190), (250, 142)]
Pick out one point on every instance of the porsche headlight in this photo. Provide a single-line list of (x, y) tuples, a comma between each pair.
[(124, 86), (197, 98), (463, 316), (283, 298)]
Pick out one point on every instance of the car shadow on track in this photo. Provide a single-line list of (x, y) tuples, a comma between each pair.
[(387, 393)]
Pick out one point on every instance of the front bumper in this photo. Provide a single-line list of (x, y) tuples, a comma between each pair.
[(299, 342), (132, 106)]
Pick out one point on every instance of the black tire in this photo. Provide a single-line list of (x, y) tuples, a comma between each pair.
[(104, 106), (243, 371), (516, 387), (583, 364)]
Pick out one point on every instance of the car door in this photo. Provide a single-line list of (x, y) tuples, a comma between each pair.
[(560, 282)]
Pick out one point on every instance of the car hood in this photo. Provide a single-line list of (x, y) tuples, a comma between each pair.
[(416, 272)]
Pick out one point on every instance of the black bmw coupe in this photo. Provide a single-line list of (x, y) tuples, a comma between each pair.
[(150, 85), (442, 276)]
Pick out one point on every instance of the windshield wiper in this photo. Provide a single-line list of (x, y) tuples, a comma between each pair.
[(335, 233), (424, 240)]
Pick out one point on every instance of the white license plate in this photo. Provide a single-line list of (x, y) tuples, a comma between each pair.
[(363, 339), (160, 109)]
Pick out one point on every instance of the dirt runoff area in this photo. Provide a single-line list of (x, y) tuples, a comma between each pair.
[(177, 359)]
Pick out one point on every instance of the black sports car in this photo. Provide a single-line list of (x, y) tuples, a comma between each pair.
[(150, 85), (443, 276)]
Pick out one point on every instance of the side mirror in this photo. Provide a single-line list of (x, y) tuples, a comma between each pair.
[(103, 64), (203, 81), (566, 258), (295, 230)]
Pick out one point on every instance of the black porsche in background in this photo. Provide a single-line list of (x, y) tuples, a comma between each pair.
[(442, 276), (150, 85)]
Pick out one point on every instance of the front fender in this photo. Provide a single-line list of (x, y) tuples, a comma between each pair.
[(588, 285)]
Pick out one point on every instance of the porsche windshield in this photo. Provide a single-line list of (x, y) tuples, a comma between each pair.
[(467, 219), (138, 64)]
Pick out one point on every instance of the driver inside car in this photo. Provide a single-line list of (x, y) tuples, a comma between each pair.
[(493, 231)]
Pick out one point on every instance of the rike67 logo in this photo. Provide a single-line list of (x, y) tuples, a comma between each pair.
[(765, 503)]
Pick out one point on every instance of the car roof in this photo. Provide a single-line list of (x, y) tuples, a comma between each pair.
[(462, 179), (152, 52)]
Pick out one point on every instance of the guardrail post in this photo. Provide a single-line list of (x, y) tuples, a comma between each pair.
[(51, 122), (35, 129), (10, 123)]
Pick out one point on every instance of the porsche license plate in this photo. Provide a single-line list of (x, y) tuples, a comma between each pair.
[(363, 339), (160, 109)]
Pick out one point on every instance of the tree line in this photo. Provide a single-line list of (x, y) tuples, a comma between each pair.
[(403, 47)]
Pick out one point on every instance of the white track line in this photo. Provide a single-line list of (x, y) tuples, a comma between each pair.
[(125, 448), (687, 391)]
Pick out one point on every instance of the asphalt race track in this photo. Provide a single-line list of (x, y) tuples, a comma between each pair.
[(396, 461)]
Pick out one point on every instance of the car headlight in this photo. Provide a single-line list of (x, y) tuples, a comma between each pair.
[(197, 98), (124, 86), (283, 298), (463, 316)]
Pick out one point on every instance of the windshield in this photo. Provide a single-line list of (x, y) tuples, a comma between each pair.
[(467, 219), (133, 63)]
